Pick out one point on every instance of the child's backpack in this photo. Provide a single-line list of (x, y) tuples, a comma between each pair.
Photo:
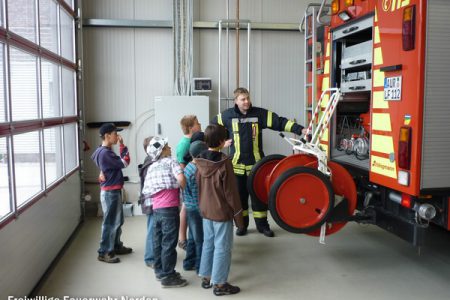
[(144, 202)]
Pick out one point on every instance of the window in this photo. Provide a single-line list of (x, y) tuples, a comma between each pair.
[(5, 197), (24, 89), (22, 18), (53, 154), (50, 89), (2, 84), (67, 33), (48, 18), (38, 107), (27, 165)]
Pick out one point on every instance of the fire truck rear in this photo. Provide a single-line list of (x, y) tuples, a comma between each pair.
[(386, 143)]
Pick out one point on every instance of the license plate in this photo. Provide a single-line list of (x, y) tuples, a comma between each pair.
[(393, 88)]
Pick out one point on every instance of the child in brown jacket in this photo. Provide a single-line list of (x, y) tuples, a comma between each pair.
[(219, 205)]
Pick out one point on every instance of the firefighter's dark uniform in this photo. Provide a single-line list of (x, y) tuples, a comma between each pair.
[(246, 150)]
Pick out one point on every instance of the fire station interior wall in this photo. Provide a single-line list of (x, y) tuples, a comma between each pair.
[(125, 68), (436, 137), (31, 242)]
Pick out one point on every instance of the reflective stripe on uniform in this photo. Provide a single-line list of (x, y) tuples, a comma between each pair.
[(239, 171), (255, 128), (269, 119), (219, 119), (260, 214), (288, 126), (237, 142), (245, 213)]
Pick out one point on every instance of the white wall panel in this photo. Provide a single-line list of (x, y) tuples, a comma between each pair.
[(109, 80), (153, 10), (108, 9), (30, 243), (154, 77), (128, 9)]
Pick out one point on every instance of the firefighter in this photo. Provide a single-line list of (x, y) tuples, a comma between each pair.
[(245, 123)]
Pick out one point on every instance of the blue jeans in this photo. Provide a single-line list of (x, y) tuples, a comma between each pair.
[(112, 221), (148, 255), (216, 252), (166, 222), (195, 241)]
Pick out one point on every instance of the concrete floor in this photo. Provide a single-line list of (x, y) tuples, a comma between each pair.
[(360, 262)]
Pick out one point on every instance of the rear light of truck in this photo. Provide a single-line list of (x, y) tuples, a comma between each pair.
[(409, 28), (404, 148), (406, 201), (348, 3), (334, 7)]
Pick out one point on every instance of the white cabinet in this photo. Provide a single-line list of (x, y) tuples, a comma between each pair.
[(170, 109)]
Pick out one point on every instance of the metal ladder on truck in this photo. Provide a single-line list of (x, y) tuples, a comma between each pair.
[(309, 26)]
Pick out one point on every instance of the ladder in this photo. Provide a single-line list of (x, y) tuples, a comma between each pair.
[(309, 26)]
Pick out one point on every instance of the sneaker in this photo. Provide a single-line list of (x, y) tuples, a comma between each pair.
[(182, 245), (241, 231), (123, 250), (173, 281), (206, 283), (108, 258), (149, 264), (176, 274), (225, 289)]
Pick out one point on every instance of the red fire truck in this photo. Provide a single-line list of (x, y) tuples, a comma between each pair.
[(384, 142)]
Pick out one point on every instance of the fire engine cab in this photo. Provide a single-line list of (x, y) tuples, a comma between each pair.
[(377, 76)]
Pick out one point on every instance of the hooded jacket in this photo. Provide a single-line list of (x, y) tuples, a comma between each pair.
[(111, 165), (218, 193)]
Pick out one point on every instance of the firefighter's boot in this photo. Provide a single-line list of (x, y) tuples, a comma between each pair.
[(243, 231), (263, 227)]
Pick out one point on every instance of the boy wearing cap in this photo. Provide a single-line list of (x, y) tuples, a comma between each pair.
[(111, 165), (190, 199), (162, 182)]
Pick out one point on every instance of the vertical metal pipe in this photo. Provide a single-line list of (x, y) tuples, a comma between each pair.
[(249, 30), (228, 55), (220, 45), (237, 44)]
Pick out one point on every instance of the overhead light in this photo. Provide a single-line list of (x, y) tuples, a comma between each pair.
[(344, 16)]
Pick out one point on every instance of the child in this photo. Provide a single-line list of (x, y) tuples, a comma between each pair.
[(219, 204), (194, 220), (111, 166), (162, 183), (189, 126), (146, 206)]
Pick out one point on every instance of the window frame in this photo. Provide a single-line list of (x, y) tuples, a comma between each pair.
[(10, 128)]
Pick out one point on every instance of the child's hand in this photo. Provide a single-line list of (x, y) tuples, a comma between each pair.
[(101, 177), (120, 139), (228, 143)]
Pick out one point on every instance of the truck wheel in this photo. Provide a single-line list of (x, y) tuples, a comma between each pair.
[(256, 183), (301, 199), (345, 187), (291, 161)]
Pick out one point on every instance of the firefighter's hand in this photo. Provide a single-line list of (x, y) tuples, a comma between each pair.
[(228, 143), (304, 130)]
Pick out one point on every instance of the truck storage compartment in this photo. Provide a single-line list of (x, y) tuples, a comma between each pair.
[(352, 73)]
